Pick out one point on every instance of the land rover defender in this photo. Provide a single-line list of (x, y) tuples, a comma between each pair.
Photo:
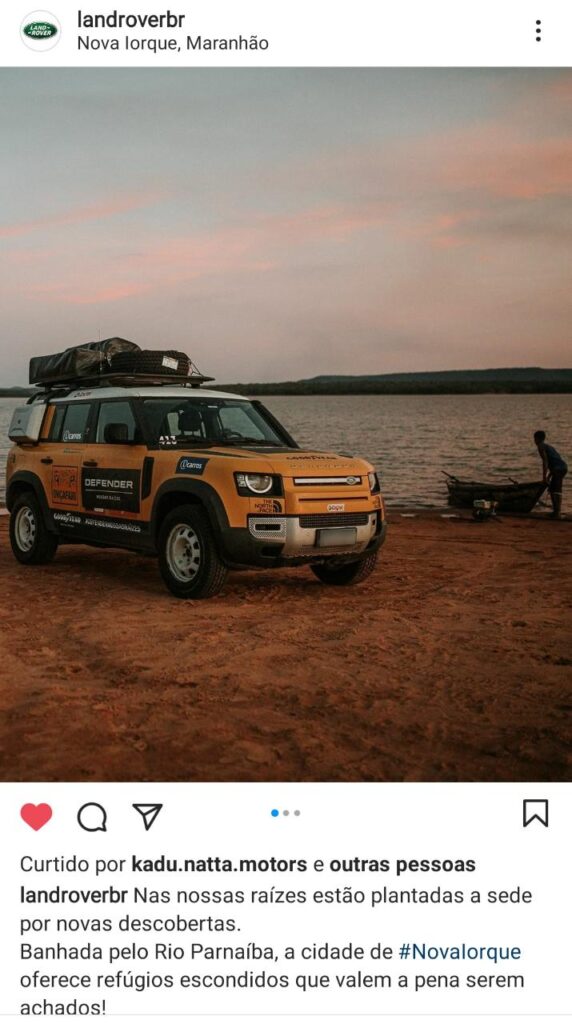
[(207, 481)]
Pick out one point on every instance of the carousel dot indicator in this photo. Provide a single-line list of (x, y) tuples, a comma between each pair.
[(275, 813)]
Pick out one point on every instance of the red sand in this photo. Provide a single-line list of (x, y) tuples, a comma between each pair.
[(453, 662)]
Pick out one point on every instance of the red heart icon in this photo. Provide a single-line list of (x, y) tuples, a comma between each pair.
[(36, 815)]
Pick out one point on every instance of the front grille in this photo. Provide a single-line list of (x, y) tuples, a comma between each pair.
[(335, 519), (326, 481)]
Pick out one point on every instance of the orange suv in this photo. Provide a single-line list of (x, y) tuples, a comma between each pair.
[(205, 480)]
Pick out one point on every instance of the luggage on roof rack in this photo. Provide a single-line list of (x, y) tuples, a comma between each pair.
[(78, 362), (151, 362), (113, 361)]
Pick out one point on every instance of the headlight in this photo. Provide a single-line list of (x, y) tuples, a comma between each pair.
[(373, 483), (258, 483)]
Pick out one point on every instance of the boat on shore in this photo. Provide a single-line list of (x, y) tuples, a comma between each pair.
[(509, 497)]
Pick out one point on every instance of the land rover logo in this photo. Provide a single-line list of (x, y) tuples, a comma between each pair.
[(40, 30)]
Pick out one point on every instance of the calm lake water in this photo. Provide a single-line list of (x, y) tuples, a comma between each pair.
[(410, 439)]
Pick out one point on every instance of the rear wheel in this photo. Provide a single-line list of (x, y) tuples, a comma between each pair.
[(32, 543), (348, 574), (189, 562)]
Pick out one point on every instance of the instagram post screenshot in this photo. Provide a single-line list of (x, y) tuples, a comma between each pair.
[(285, 511)]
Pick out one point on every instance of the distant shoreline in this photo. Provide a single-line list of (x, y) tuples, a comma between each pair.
[(531, 380), (303, 388)]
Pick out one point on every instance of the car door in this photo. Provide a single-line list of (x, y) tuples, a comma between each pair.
[(63, 451), (112, 463)]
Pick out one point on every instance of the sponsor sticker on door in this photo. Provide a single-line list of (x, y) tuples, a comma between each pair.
[(111, 488), (65, 489), (194, 466)]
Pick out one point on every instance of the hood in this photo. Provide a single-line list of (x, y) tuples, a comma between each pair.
[(290, 462)]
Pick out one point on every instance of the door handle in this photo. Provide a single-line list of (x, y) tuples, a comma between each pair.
[(47, 461), (90, 463)]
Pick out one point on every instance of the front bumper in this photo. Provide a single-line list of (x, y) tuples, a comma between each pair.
[(285, 540), (297, 538)]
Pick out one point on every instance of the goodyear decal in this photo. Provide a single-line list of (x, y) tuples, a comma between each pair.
[(70, 521), (191, 465)]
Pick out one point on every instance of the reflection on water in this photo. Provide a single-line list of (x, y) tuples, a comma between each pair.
[(410, 439)]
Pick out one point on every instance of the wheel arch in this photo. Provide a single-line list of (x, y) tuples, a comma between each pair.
[(26, 481), (188, 492)]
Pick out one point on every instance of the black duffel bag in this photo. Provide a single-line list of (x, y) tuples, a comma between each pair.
[(151, 363), (87, 360)]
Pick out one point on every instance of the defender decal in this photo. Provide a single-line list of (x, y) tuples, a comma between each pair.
[(65, 489), (189, 465), (111, 488)]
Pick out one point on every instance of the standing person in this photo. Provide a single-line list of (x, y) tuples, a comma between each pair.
[(554, 470)]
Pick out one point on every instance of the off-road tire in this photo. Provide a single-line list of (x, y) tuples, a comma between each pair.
[(150, 363), (187, 547), (32, 543), (346, 575)]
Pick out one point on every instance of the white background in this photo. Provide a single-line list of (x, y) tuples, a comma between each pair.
[(322, 32), (482, 821)]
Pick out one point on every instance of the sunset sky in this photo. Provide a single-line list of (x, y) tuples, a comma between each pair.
[(278, 224)]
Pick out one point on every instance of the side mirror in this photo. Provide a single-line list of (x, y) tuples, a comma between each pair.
[(116, 433)]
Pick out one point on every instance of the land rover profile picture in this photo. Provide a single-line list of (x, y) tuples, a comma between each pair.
[(40, 30)]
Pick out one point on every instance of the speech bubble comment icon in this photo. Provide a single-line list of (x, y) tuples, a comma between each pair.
[(92, 818)]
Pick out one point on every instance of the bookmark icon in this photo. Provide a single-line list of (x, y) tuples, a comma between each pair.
[(148, 812)]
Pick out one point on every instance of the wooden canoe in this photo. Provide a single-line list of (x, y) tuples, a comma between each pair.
[(510, 497)]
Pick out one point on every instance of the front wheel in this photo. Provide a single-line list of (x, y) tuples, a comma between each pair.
[(188, 558), (32, 543), (346, 575)]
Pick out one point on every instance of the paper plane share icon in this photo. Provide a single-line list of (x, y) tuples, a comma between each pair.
[(148, 812)]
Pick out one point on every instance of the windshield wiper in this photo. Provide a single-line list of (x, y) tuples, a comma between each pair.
[(238, 441)]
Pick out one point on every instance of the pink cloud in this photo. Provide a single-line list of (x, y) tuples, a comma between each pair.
[(81, 214), (87, 293), (501, 163), (255, 246)]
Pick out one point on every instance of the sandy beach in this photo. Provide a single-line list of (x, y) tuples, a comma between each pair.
[(453, 662)]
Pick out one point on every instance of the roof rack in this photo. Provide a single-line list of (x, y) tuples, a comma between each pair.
[(124, 380)]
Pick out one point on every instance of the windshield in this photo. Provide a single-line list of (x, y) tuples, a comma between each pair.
[(189, 422)]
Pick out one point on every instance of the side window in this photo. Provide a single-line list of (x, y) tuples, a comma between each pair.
[(58, 419), (115, 412), (75, 429)]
